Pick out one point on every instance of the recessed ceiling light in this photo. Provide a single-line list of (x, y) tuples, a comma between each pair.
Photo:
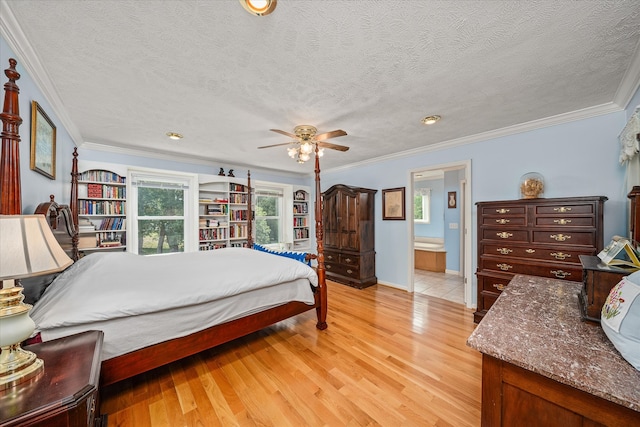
[(174, 135), (259, 7), (429, 120)]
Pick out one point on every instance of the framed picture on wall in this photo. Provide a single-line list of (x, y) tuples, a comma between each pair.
[(393, 203), (452, 200), (43, 142)]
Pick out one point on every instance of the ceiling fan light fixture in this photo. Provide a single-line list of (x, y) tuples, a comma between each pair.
[(429, 120), (304, 157), (259, 7), (173, 135), (306, 147), (320, 152), (293, 152)]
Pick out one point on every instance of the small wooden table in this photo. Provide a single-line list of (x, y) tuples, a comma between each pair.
[(598, 280), (66, 393)]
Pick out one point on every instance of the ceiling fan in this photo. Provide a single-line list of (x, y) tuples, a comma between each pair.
[(305, 139)]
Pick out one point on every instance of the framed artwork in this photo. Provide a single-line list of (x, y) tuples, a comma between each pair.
[(393, 203), (43, 142), (452, 201)]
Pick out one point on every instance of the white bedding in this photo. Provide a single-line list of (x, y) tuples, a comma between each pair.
[(138, 301)]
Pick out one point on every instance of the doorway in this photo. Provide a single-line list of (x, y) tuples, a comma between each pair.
[(450, 208)]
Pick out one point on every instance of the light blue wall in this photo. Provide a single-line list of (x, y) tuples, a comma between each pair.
[(36, 188), (579, 158), (435, 228)]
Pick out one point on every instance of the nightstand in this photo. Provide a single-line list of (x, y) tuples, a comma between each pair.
[(598, 280), (66, 393)]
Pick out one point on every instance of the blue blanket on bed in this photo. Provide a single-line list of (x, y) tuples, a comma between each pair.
[(298, 256)]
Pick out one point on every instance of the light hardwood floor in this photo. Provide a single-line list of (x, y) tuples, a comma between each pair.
[(388, 358)]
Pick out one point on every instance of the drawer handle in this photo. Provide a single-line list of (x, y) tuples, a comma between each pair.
[(560, 274), (349, 271), (329, 257), (504, 251), (504, 267), (348, 260), (504, 235), (503, 211), (503, 221), (499, 286), (328, 267), (560, 237), (560, 255), (530, 251), (562, 221), (562, 209)]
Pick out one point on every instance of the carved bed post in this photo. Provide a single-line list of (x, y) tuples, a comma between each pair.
[(74, 204), (10, 192), (322, 284)]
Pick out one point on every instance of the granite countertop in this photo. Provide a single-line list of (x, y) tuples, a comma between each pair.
[(535, 324)]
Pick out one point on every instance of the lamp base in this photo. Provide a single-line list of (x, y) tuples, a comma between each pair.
[(17, 366)]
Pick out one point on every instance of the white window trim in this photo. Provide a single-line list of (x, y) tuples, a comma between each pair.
[(426, 205), (190, 204)]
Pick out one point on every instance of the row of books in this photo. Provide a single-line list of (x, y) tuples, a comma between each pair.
[(101, 176), (112, 223), (301, 233), (101, 240), (106, 191), (238, 215), (300, 222), (210, 223), (238, 231), (300, 209), (101, 207), (238, 198), (216, 200), (237, 187), (213, 234), (211, 246)]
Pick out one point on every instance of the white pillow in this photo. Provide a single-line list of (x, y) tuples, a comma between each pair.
[(620, 318)]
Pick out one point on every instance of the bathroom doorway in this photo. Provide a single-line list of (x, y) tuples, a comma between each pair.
[(440, 230)]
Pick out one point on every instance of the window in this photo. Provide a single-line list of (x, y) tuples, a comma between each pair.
[(422, 205), (269, 223), (161, 212)]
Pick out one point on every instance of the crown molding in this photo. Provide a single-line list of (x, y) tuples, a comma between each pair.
[(183, 158), (630, 81), (585, 113), (28, 59)]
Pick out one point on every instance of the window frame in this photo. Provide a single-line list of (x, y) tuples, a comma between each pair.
[(425, 194)]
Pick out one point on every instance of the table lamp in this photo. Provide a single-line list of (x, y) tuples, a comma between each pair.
[(27, 248)]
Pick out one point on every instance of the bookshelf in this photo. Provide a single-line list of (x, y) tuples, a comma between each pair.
[(222, 213), (102, 201), (301, 220)]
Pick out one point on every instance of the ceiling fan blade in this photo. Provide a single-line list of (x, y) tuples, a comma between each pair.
[(291, 135), (332, 134), (323, 144), (278, 145)]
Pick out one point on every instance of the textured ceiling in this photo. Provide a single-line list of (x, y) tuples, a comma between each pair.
[(124, 72)]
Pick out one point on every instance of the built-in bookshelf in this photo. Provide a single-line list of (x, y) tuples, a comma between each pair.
[(223, 214), (301, 220), (102, 201)]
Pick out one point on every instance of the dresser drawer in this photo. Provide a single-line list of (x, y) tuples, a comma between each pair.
[(492, 284), (565, 221), (504, 220), (505, 235), (533, 252), (565, 208), (521, 266), (503, 210), (572, 238)]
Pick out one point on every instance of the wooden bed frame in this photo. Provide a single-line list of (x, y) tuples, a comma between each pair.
[(145, 359)]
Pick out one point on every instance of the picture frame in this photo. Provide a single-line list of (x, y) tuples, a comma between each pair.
[(43, 142), (393, 204), (452, 200)]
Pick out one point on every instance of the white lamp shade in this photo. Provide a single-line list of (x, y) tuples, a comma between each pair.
[(28, 247)]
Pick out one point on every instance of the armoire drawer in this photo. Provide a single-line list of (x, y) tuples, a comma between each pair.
[(505, 234), (343, 270), (572, 238)]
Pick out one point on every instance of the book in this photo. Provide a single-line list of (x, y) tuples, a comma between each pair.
[(620, 252)]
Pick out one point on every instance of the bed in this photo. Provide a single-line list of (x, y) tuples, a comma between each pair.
[(201, 326)]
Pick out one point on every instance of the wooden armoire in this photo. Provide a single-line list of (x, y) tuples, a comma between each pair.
[(349, 225)]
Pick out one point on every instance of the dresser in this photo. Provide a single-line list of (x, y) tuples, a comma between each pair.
[(349, 225), (66, 394), (539, 237)]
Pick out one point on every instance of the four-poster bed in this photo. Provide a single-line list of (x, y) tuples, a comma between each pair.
[(165, 351)]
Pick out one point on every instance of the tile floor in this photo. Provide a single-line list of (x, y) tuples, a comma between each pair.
[(440, 285)]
